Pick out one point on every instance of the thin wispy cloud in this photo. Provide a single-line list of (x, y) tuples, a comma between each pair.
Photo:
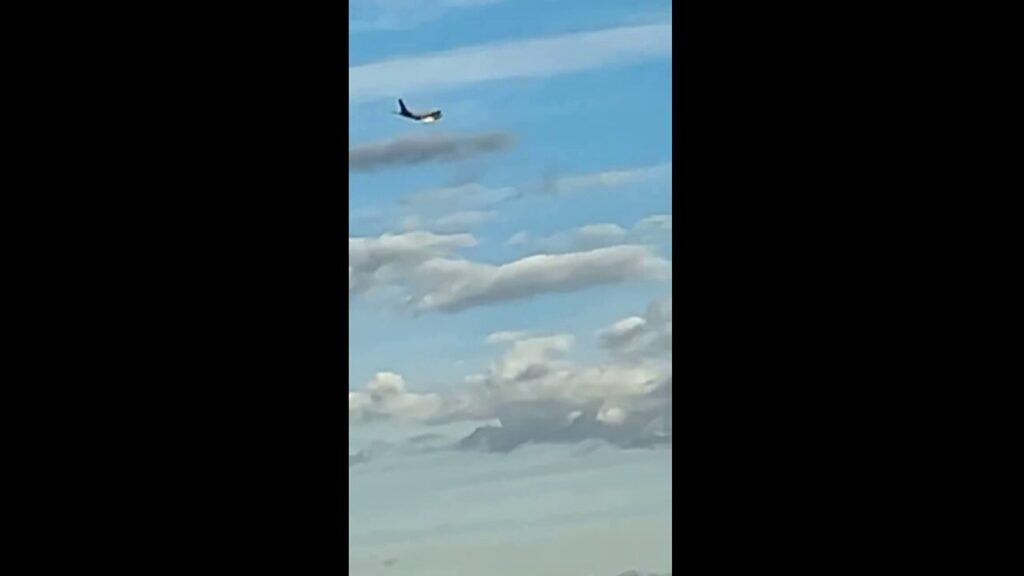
[(475, 196), (462, 221), (615, 178), (653, 228), (530, 58), (409, 150), (395, 15)]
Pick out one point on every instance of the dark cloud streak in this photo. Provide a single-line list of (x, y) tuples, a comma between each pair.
[(410, 150)]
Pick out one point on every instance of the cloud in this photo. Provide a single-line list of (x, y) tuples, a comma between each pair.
[(452, 285), (518, 239), (394, 15), (385, 396), (647, 335), (593, 236), (461, 221), (469, 195), (378, 260), (530, 58), (409, 150), (554, 183), (421, 267), (534, 393), (529, 423), (606, 179), (661, 222), (506, 336)]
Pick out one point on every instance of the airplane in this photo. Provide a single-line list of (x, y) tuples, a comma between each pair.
[(432, 116)]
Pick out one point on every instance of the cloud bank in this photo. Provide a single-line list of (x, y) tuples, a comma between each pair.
[(533, 393)]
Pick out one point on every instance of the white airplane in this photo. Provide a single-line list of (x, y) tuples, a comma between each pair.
[(432, 116)]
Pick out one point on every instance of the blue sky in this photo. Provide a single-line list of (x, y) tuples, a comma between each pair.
[(510, 280)]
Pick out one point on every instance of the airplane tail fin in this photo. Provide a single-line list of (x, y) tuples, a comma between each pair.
[(401, 105)]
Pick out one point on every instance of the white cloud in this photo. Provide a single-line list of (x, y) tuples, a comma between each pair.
[(470, 195), (462, 220), (532, 58), (473, 196), (608, 179), (394, 15), (386, 397), (451, 285), (420, 265), (518, 239), (506, 336), (537, 393), (374, 261), (593, 236)]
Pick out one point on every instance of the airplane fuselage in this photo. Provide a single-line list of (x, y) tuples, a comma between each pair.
[(428, 117)]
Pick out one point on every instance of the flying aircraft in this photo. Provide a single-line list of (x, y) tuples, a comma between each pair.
[(432, 116)]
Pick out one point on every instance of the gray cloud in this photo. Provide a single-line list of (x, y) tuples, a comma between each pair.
[(358, 458), (409, 150), (530, 58), (555, 422), (647, 335)]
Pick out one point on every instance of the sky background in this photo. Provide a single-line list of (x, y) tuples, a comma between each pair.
[(510, 287)]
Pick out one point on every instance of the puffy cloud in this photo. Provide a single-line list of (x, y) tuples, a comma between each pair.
[(533, 392), (385, 396), (420, 149)]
